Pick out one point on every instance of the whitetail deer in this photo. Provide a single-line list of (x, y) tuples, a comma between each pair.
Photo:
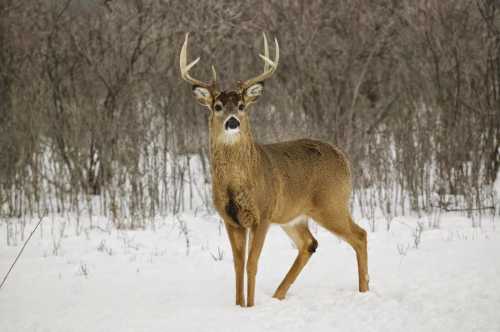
[(255, 185)]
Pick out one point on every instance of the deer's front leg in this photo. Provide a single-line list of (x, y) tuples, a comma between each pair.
[(238, 240), (258, 235)]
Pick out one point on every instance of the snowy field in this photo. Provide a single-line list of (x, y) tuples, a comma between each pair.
[(179, 277)]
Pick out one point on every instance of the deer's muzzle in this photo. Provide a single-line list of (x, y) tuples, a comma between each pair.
[(232, 123)]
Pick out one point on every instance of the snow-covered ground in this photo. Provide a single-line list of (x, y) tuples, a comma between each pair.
[(179, 277)]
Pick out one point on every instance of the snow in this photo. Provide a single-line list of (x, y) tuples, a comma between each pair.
[(173, 278)]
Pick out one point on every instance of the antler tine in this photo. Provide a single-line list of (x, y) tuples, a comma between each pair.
[(214, 74), (268, 62), (266, 52), (269, 65), (186, 67)]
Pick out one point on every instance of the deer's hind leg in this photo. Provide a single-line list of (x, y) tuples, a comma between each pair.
[(299, 232), (341, 224)]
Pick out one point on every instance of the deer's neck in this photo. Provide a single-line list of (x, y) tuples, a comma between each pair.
[(235, 161)]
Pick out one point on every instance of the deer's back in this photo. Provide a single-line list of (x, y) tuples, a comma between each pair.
[(307, 172)]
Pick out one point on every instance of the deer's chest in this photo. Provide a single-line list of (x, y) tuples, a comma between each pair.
[(226, 201)]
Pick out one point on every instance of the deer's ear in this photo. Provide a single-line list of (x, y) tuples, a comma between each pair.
[(253, 92), (202, 95)]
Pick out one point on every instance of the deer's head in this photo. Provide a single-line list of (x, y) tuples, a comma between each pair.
[(228, 119)]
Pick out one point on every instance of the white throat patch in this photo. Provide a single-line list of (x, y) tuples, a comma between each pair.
[(230, 136)]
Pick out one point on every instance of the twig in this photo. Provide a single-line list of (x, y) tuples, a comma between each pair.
[(20, 252), (446, 209)]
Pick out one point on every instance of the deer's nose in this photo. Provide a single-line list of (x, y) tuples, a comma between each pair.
[(232, 123)]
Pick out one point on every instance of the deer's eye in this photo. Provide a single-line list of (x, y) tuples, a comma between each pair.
[(241, 106), (218, 106)]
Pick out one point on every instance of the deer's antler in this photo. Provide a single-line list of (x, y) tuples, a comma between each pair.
[(269, 65), (186, 67)]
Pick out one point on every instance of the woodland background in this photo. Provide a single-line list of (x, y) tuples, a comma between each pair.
[(94, 117)]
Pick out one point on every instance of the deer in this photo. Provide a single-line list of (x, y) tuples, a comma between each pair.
[(287, 183)]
